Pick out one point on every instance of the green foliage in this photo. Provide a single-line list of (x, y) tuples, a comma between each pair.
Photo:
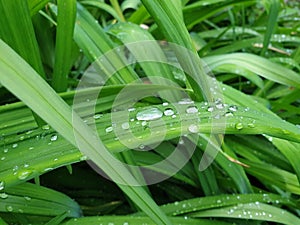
[(245, 121)]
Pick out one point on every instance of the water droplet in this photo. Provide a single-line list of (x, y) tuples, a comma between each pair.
[(97, 116), (144, 123), (125, 126), (27, 198), (53, 137), (9, 208), (149, 114), (270, 215), (165, 104), (192, 109), (233, 108), (109, 129), (210, 109), (5, 150), (46, 127), (21, 138), (24, 174), (131, 109), (15, 145), (3, 195), (185, 101), (83, 158), (3, 158), (169, 112), (193, 128), (141, 146), (239, 126), (251, 125)]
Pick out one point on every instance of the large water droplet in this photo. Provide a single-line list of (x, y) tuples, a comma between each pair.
[(149, 114), (22, 175), (239, 126), (169, 112), (109, 129), (192, 109), (193, 128), (3, 195)]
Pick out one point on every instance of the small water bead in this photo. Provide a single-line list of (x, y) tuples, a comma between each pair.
[(24, 174), (2, 158), (144, 123), (193, 128), (210, 109), (97, 116), (169, 112), (46, 127), (125, 126), (165, 104), (27, 198), (192, 110), (185, 101), (5, 150), (239, 126), (233, 108), (229, 114), (149, 114), (109, 129), (131, 109), (9, 208), (54, 137), (15, 145), (3, 195), (251, 125)]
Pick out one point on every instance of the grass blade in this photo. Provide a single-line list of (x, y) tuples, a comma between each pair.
[(64, 42)]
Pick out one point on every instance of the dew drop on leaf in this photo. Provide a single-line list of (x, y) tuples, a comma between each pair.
[(193, 128), (3, 195), (9, 208), (149, 114), (169, 112), (233, 108), (15, 145), (22, 175), (192, 110), (53, 137), (109, 129), (125, 126), (239, 126)]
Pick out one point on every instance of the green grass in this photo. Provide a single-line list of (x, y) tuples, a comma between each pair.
[(195, 149)]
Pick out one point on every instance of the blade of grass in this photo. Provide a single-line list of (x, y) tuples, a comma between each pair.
[(64, 42), (36, 5), (273, 9), (252, 211), (103, 6), (17, 31), (256, 64)]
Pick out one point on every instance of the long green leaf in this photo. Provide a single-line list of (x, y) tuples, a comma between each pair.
[(64, 42)]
